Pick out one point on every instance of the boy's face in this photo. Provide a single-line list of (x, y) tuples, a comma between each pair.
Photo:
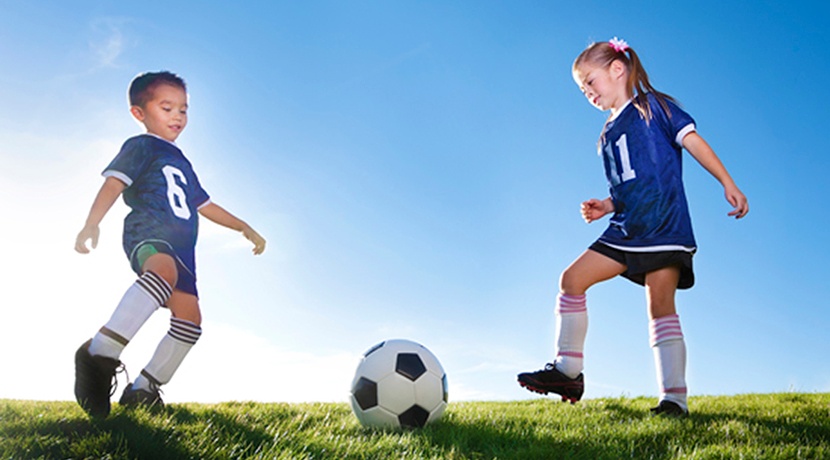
[(165, 114)]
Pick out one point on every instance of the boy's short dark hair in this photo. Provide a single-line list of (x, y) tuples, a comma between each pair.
[(142, 86)]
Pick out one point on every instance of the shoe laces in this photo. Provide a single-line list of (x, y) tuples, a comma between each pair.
[(157, 389), (550, 366), (121, 368)]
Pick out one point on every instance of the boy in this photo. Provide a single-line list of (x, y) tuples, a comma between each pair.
[(159, 185)]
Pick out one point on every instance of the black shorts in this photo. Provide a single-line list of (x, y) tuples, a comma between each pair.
[(639, 263)]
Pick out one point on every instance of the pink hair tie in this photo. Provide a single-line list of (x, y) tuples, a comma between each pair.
[(619, 45)]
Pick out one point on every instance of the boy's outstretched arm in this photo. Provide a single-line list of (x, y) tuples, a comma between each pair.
[(109, 192), (707, 158), (219, 215)]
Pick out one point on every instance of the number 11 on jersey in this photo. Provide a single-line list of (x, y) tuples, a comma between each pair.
[(626, 173)]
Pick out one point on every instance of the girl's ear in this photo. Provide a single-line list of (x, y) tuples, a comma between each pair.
[(617, 68), (137, 112)]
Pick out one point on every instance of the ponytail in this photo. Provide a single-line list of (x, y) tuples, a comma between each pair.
[(638, 81)]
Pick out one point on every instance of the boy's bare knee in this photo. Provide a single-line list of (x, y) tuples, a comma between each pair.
[(164, 266), (185, 306)]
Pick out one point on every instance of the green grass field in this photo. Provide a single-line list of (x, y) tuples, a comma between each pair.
[(785, 426)]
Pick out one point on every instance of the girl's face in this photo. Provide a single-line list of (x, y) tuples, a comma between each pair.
[(603, 86)]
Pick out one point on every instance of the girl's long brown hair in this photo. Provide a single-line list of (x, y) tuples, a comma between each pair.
[(602, 54)]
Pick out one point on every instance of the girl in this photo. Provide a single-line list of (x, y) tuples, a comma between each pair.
[(649, 238)]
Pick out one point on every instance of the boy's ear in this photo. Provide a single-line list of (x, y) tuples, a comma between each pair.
[(137, 112)]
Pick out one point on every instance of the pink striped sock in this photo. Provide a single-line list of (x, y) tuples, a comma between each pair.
[(571, 328), (666, 337)]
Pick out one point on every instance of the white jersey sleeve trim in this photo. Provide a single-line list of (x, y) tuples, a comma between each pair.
[(683, 132), (118, 175), (207, 202)]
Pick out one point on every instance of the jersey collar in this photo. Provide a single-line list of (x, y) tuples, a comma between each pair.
[(617, 114), (161, 138)]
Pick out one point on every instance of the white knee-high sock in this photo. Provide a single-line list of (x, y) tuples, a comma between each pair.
[(144, 297), (169, 354), (669, 358), (571, 328)]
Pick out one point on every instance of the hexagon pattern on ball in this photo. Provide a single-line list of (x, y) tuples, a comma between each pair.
[(399, 383)]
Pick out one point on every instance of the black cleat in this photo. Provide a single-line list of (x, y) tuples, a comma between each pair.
[(94, 381), (669, 409), (550, 380), (140, 397)]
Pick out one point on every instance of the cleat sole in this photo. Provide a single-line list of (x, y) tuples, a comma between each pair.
[(542, 391), (550, 380)]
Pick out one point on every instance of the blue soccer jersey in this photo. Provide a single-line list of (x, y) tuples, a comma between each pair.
[(643, 165), (164, 195)]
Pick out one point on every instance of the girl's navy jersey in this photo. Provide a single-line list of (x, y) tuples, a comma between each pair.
[(163, 193), (643, 165)]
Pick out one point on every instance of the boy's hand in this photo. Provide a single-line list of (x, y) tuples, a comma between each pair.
[(219, 215), (594, 209), (737, 200), (87, 233), (254, 237)]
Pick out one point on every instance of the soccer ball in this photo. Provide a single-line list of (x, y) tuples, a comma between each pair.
[(399, 383)]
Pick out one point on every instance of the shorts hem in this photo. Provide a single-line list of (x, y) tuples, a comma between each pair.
[(186, 281), (638, 264)]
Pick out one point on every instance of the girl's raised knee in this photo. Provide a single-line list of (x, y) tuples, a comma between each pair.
[(571, 285)]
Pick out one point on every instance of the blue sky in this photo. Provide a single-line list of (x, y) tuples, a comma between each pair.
[(417, 169)]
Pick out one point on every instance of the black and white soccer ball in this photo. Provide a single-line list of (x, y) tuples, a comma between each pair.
[(399, 383)]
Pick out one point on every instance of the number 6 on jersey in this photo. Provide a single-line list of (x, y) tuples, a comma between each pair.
[(175, 194)]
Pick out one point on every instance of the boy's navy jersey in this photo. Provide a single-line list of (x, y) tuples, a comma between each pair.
[(643, 165), (163, 193)]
